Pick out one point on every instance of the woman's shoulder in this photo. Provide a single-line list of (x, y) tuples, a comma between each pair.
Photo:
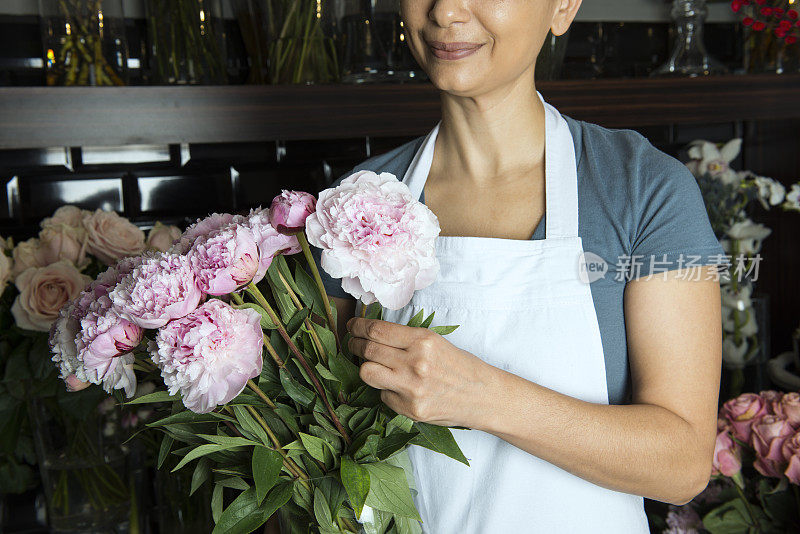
[(395, 161)]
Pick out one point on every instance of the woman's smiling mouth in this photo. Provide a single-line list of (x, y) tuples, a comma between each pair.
[(453, 50)]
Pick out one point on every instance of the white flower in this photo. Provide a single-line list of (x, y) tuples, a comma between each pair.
[(709, 158), (735, 356), (747, 329), (793, 198), (770, 192), (748, 236), (738, 300)]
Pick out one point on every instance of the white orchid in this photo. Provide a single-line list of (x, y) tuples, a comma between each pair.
[(770, 192), (736, 356), (749, 328), (737, 300), (710, 158), (792, 201), (748, 235)]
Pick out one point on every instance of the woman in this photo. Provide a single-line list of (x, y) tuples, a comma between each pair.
[(584, 391)]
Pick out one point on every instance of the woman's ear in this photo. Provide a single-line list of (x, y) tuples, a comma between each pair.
[(564, 15)]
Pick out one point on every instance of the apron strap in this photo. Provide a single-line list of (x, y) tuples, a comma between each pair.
[(561, 176)]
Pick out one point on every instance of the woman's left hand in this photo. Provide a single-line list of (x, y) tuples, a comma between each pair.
[(420, 374)]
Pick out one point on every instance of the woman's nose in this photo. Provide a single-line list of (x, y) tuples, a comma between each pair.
[(446, 12)]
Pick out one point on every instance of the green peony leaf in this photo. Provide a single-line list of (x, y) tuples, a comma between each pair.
[(202, 450), (439, 439), (267, 465), (299, 393), (228, 441), (158, 396), (345, 370), (327, 339), (322, 511), (729, 518), (393, 443), (316, 447), (311, 296), (444, 330), (191, 417), (296, 322), (201, 473), (399, 422), (417, 319), (216, 502), (427, 322), (389, 491), (163, 450), (244, 514), (355, 479)]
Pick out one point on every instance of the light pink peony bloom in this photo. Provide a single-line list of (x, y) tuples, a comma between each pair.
[(727, 456), (289, 210), (270, 241), (112, 237), (160, 288), (73, 384), (201, 228), (162, 237), (741, 412), (789, 407), (769, 434), (210, 354), (224, 261), (791, 454), (376, 237)]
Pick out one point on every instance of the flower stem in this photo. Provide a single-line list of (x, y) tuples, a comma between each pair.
[(255, 293), (257, 390), (301, 237), (307, 321), (749, 509)]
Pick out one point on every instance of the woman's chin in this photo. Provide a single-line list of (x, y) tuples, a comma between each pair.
[(460, 83)]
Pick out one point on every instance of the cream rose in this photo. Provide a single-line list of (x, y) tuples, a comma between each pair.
[(43, 291), (161, 237), (6, 266), (66, 216), (63, 243), (27, 254), (112, 237)]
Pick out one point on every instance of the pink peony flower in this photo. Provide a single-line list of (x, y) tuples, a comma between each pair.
[(289, 210), (270, 241), (73, 384), (769, 434), (683, 520), (224, 261), (789, 407), (376, 237), (210, 354), (727, 456), (160, 288), (201, 228), (741, 412), (791, 454)]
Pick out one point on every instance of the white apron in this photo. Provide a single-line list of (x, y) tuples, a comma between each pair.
[(522, 307)]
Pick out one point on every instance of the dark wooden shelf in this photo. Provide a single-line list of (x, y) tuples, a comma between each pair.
[(93, 116)]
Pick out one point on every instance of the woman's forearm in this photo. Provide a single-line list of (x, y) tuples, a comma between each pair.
[(641, 449)]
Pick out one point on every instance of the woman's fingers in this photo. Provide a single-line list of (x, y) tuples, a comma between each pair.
[(375, 352)]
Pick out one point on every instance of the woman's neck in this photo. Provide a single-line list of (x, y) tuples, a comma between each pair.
[(500, 133)]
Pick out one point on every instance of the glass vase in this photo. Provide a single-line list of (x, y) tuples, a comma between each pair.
[(82, 463), (764, 52), (186, 42), (373, 43), (689, 56), (177, 511), (302, 48), (84, 42)]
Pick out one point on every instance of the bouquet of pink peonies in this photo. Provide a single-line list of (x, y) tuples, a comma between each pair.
[(755, 483), (294, 429)]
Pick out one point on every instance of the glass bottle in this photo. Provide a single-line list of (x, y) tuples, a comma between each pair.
[(689, 56)]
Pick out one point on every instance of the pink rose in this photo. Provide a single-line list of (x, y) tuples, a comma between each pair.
[(210, 354), (270, 241), (741, 412), (162, 287), (376, 237), (769, 434), (43, 292), (770, 397), (289, 210), (791, 454), (727, 456), (61, 243), (224, 261), (111, 237), (6, 268), (27, 254), (162, 237), (789, 407), (203, 227), (66, 216)]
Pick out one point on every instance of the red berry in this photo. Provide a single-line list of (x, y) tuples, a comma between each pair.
[(758, 25)]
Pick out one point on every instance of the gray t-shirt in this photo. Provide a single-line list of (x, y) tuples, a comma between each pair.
[(639, 209)]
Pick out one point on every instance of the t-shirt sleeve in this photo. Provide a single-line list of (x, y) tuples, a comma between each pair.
[(333, 286), (672, 229)]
